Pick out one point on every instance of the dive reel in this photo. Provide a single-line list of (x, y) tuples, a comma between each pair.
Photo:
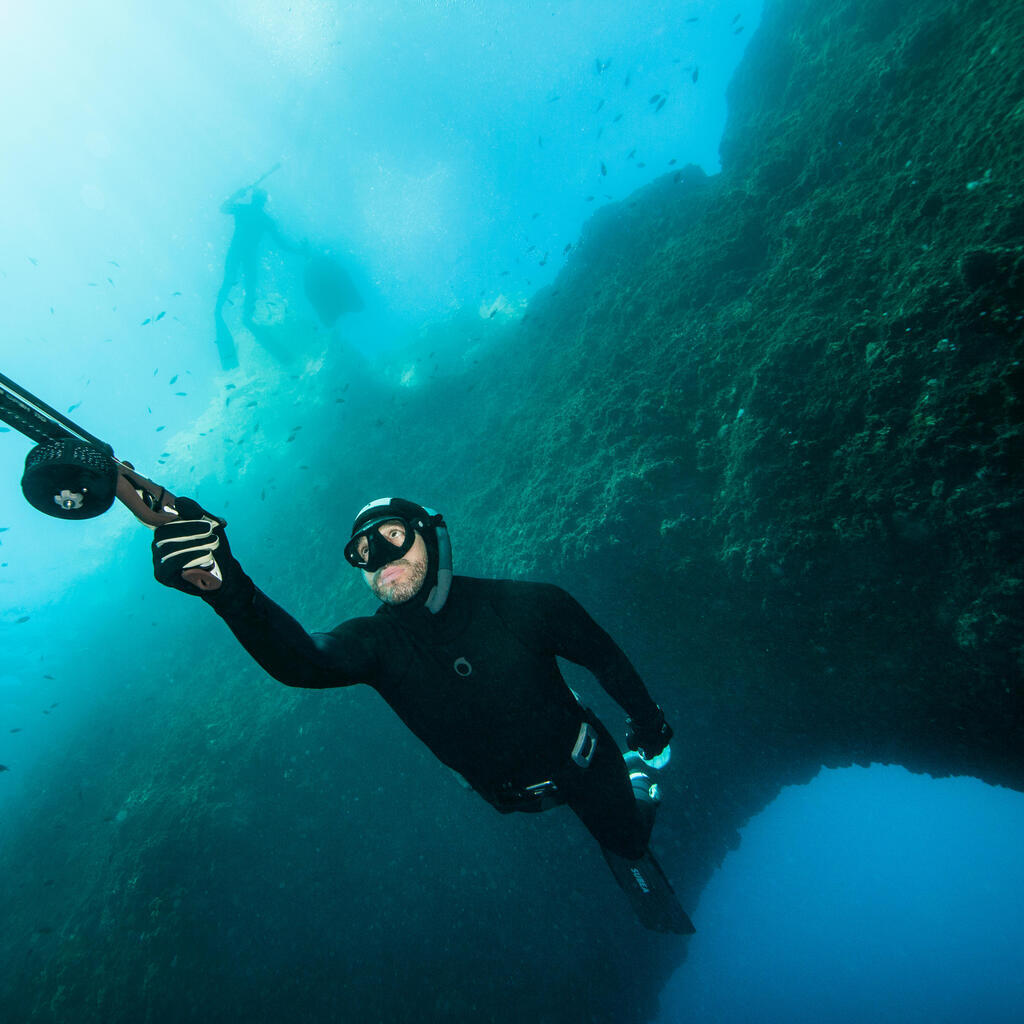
[(69, 478), (71, 474)]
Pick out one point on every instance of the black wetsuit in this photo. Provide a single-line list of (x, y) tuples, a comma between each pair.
[(479, 685)]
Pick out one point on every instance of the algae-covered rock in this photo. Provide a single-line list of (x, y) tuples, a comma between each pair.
[(766, 425)]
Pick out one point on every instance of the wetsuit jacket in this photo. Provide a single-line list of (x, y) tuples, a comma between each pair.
[(477, 682)]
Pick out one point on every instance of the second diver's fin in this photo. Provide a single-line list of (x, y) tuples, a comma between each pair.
[(651, 895)]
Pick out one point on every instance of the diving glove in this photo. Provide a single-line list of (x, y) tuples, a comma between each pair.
[(648, 736), (195, 540)]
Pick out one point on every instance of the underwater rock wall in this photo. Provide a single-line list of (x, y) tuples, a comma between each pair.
[(765, 425), (795, 403)]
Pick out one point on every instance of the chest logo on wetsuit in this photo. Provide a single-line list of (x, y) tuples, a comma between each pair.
[(463, 667)]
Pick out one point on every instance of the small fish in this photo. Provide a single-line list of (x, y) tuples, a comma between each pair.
[(111, 280), (228, 387), (161, 314), (16, 729), (655, 98), (600, 66), (114, 263), (599, 106), (180, 394), (690, 21), (158, 429), (146, 321), (51, 311), (24, 618), (47, 677), (55, 704), (249, 405), (540, 142), (604, 170), (33, 261), (695, 75), (590, 199), (616, 119), (94, 284), (641, 165), (4, 768), (492, 315), (738, 31), (504, 273), (660, 105), (736, 17), (4, 529), (671, 163), (290, 439), (625, 82), (156, 371), (175, 293), (554, 99), (173, 379), (544, 261), (631, 154)]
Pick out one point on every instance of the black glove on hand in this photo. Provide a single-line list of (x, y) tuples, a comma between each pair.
[(648, 736), (195, 540)]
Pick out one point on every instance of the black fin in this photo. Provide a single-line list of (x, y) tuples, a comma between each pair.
[(649, 891)]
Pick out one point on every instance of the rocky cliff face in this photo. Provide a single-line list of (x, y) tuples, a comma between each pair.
[(799, 403), (767, 426)]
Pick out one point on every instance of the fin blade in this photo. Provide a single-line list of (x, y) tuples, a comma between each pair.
[(650, 893)]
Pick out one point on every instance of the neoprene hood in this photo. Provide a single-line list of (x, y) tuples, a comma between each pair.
[(428, 523)]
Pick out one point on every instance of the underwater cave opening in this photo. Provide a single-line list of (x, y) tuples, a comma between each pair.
[(868, 894)]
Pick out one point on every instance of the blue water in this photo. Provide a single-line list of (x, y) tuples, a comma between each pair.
[(442, 150), (447, 152), (867, 895)]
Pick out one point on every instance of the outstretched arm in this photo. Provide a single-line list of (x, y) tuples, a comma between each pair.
[(284, 650), (230, 205), (273, 638)]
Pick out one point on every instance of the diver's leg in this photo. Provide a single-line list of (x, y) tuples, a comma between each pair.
[(225, 342), (250, 279), (619, 813), (230, 279), (603, 799), (225, 339)]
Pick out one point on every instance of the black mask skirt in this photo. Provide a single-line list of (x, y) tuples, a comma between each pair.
[(380, 550)]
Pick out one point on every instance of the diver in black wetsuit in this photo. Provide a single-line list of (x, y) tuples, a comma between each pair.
[(467, 664), (242, 262)]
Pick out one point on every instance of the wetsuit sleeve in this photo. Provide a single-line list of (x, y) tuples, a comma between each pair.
[(572, 634), (287, 652)]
